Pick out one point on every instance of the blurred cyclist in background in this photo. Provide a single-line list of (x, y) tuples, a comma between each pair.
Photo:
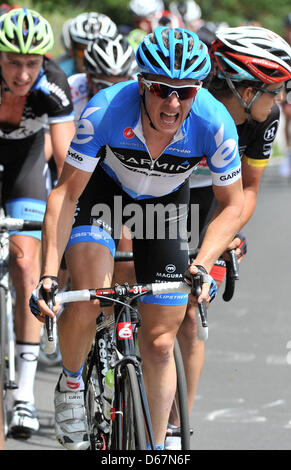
[(143, 15), (190, 13), (106, 61), (76, 35), (167, 18), (34, 92)]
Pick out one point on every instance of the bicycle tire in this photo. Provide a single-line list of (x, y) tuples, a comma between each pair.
[(128, 426), (182, 398), (3, 371)]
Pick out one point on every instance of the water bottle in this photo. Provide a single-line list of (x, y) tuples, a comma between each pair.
[(108, 394)]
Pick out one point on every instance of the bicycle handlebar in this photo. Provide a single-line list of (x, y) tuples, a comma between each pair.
[(122, 292), (232, 275), (10, 223)]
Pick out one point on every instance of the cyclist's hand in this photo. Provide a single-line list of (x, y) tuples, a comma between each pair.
[(208, 287), (239, 244), (47, 287)]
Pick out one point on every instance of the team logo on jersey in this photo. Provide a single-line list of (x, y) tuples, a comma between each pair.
[(128, 133), (85, 130), (225, 153), (271, 131)]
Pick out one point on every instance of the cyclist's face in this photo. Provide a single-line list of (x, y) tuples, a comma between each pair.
[(20, 71), (78, 54), (167, 114), (263, 105)]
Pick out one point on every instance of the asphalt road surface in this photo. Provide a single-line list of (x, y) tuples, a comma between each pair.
[(244, 395)]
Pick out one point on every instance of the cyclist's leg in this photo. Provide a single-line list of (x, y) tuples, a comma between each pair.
[(24, 194), (193, 349), (89, 256), (76, 325), (76, 328), (164, 257), (160, 324)]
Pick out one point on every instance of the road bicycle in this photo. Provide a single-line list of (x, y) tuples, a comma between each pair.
[(128, 422), (128, 425), (7, 342)]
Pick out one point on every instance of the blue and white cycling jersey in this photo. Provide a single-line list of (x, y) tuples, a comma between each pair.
[(110, 132)]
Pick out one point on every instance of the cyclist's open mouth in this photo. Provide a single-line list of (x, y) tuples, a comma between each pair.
[(169, 118)]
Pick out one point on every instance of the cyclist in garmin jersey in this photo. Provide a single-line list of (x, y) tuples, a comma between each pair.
[(77, 33), (34, 91), (250, 66), (144, 139), (106, 61)]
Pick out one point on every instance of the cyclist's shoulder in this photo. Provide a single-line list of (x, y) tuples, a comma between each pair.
[(51, 92), (252, 129), (52, 69)]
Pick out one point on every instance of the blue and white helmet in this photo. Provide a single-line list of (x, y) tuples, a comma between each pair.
[(174, 53)]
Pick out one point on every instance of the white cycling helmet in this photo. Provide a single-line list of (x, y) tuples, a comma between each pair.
[(65, 36), (86, 27), (189, 10), (252, 53), (144, 8), (111, 57)]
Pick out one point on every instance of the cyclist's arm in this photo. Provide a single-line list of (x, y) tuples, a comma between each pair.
[(61, 136), (251, 175), (224, 224), (59, 216)]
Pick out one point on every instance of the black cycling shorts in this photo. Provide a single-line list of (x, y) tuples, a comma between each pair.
[(157, 226), (26, 181)]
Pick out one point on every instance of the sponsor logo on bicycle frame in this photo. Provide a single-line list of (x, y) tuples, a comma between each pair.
[(124, 330)]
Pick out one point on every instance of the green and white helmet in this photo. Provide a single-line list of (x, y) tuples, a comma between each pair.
[(25, 31)]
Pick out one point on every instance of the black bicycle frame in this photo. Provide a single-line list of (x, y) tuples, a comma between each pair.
[(126, 320)]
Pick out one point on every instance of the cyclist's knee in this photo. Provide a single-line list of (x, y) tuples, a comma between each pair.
[(160, 349), (25, 271)]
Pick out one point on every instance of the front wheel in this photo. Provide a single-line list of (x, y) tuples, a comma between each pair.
[(182, 398), (128, 431)]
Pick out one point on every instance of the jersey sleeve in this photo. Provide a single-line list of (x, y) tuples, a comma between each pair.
[(222, 150), (258, 150), (92, 134), (55, 93)]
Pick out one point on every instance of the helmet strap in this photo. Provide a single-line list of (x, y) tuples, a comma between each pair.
[(247, 106), (146, 111)]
